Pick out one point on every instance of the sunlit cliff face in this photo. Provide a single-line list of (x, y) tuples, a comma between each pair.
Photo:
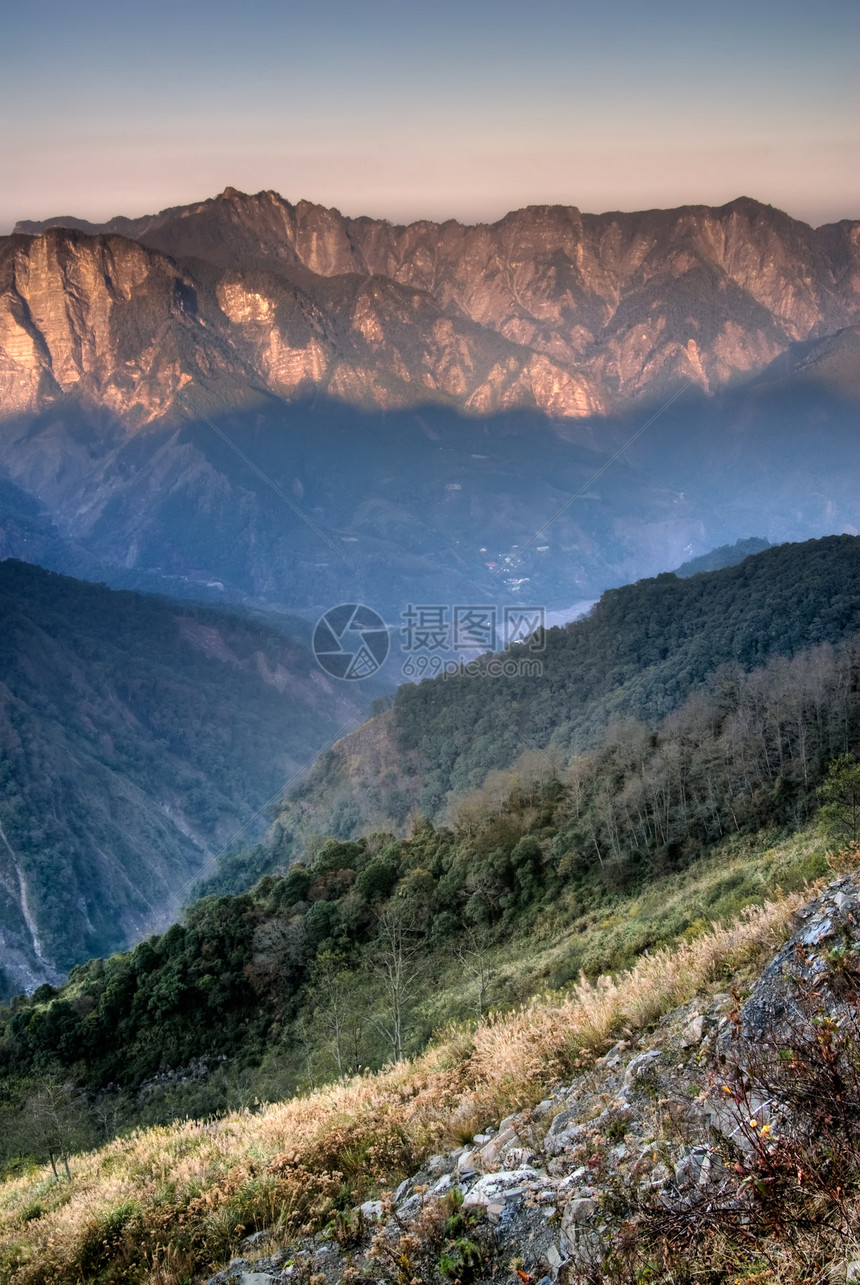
[(572, 314)]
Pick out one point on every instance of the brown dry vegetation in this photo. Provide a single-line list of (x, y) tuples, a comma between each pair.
[(163, 1203)]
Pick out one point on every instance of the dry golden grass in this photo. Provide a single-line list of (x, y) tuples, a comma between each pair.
[(164, 1203)]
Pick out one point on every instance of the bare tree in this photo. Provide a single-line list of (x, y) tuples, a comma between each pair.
[(107, 1114), (475, 959), (399, 962), (334, 993), (279, 948), (54, 1121)]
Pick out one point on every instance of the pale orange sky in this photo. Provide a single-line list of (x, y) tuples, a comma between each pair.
[(402, 111)]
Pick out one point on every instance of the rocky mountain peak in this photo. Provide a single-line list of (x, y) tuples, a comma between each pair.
[(551, 308)]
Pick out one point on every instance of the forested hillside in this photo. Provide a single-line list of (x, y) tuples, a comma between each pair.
[(727, 555), (640, 653), (136, 735), (363, 948)]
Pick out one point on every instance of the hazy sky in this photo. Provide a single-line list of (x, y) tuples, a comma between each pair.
[(444, 108)]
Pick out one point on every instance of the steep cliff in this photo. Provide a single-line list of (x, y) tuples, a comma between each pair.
[(125, 329), (549, 307)]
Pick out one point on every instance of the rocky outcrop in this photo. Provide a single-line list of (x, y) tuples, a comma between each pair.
[(827, 934), (104, 319), (541, 1188)]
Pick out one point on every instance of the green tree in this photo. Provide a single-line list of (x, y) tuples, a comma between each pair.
[(840, 801)]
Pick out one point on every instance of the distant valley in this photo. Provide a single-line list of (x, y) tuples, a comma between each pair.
[(137, 736), (614, 676)]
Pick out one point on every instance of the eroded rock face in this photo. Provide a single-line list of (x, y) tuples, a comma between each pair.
[(571, 313), (103, 318), (811, 963), (126, 329)]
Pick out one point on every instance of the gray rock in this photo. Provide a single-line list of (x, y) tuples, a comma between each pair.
[(556, 1144), (469, 1163), (579, 1240), (726, 1118), (256, 1238), (579, 1209), (586, 1251), (231, 1272), (495, 1187), (236, 1274), (693, 1032), (659, 1176), (554, 1258), (773, 1012), (638, 1070), (563, 1121), (516, 1157), (410, 1208), (437, 1165), (694, 1169), (547, 1194), (372, 1210), (495, 1212), (491, 1154)]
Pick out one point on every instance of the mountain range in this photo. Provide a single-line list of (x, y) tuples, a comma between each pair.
[(269, 406), (218, 423), (391, 413), (569, 312)]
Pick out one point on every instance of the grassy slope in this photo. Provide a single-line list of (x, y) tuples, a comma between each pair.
[(158, 1204), (677, 907)]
